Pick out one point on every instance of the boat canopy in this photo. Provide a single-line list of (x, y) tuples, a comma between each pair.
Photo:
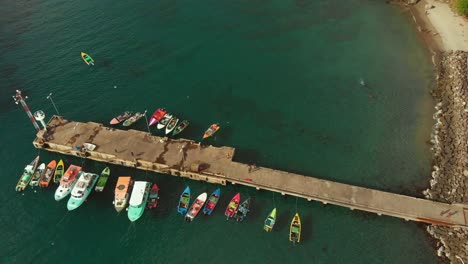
[(138, 193), (121, 188)]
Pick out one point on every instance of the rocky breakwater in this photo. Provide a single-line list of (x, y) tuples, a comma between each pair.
[(449, 140)]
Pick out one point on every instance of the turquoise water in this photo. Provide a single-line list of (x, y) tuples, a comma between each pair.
[(282, 79)]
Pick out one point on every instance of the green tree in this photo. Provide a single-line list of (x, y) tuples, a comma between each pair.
[(462, 7)]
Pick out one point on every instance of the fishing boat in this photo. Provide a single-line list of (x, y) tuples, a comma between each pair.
[(102, 180), (153, 197), (164, 121), (137, 116), (179, 128), (211, 130), (243, 210), (122, 193), (212, 201), (231, 209), (48, 174), (120, 118), (196, 207), (270, 221), (59, 171), (138, 200), (295, 229), (87, 59), (27, 175), (37, 175), (81, 190), (184, 201), (67, 182), (157, 115), (171, 125)]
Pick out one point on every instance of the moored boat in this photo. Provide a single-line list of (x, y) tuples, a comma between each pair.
[(27, 175), (138, 200), (157, 115), (270, 221), (153, 197), (120, 118), (231, 209), (211, 131), (87, 59), (184, 201), (59, 171), (81, 190), (37, 175), (212, 201), (102, 180), (67, 182), (171, 125), (122, 192), (295, 229), (243, 210), (180, 127), (130, 121), (164, 121), (196, 207), (48, 174)]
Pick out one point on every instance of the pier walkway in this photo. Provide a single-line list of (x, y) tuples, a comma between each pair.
[(186, 158)]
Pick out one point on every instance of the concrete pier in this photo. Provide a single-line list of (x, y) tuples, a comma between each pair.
[(186, 158)]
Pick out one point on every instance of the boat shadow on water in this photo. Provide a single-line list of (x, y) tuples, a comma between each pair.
[(282, 220), (306, 229)]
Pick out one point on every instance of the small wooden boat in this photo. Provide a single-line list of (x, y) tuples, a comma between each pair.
[(179, 128), (184, 201), (171, 125), (27, 175), (153, 197), (87, 59), (270, 221), (48, 174), (122, 192), (157, 115), (211, 130), (137, 116), (102, 180), (59, 170), (295, 229), (212, 201), (37, 175), (164, 121), (120, 118), (243, 210), (196, 207), (231, 209)]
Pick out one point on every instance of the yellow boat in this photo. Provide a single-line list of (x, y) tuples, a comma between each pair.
[(87, 59), (295, 230)]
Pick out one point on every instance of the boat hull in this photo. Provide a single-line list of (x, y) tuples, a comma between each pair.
[(62, 192), (231, 209), (210, 205), (135, 211), (59, 170), (74, 203), (183, 205), (270, 221)]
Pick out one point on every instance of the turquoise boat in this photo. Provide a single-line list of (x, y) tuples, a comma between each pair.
[(140, 193), (81, 190)]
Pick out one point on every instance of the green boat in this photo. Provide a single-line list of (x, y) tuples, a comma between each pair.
[(102, 180), (27, 175), (180, 127), (59, 171), (270, 221), (87, 59), (138, 200)]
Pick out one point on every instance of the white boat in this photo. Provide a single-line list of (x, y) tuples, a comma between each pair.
[(67, 182), (196, 207), (164, 121), (81, 190), (37, 175), (138, 200), (171, 125)]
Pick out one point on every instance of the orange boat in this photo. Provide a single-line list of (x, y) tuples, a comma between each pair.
[(48, 174), (122, 193), (211, 130)]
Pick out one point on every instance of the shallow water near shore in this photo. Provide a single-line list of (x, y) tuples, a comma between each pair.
[(281, 78)]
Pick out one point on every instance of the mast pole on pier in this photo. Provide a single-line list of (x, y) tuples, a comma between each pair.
[(18, 97)]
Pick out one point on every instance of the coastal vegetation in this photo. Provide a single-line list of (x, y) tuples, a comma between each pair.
[(462, 7)]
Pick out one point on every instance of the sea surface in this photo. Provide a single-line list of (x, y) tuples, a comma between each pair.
[(283, 80)]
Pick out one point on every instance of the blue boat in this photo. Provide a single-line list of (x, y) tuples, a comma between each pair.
[(184, 201), (212, 201)]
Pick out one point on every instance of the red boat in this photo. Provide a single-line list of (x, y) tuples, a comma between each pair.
[(157, 115), (231, 209), (153, 197)]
